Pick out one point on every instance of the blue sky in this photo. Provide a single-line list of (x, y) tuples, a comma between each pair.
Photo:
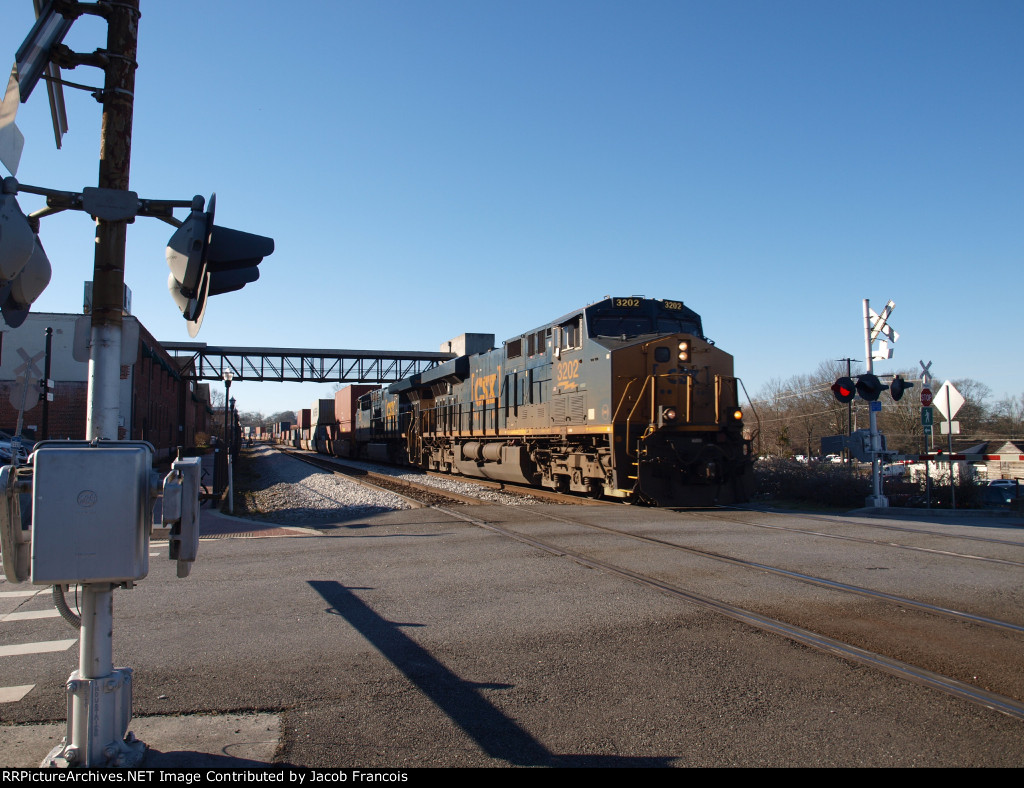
[(432, 168)]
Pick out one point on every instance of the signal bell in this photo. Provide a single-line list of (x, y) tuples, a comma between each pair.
[(844, 389)]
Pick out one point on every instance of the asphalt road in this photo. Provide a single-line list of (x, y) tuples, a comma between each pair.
[(413, 639)]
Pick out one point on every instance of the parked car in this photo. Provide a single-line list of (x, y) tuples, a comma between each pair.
[(1010, 486), (997, 497)]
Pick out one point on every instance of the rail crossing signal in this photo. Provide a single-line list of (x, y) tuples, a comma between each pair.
[(24, 267), (897, 387), (207, 260), (844, 390), (869, 387)]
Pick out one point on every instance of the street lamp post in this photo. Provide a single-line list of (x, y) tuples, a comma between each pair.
[(228, 377), (231, 476)]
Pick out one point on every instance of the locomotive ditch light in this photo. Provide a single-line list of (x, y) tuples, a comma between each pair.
[(684, 351), (666, 415), (737, 415), (844, 390)]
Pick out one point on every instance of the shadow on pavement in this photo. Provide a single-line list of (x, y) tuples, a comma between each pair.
[(497, 735)]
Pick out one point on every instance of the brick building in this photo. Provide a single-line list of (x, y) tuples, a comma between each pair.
[(158, 404)]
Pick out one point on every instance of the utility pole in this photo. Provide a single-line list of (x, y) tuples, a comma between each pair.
[(108, 268)]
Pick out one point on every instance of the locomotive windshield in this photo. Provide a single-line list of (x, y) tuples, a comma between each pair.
[(633, 317)]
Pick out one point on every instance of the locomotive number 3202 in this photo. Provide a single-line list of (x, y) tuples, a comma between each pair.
[(568, 370)]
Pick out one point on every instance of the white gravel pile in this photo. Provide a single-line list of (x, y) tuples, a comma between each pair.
[(286, 491), (447, 484)]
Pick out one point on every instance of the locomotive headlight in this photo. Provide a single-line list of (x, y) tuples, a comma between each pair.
[(666, 415), (684, 351)]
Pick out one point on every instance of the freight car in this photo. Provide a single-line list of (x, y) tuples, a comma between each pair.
[(624, 398)]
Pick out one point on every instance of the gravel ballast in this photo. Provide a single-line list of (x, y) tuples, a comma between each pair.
[(275, 488), (272, 487)]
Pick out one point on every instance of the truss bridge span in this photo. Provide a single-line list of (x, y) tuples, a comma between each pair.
[(300, 365)]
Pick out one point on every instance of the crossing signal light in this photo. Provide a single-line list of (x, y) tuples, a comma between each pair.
[(898, 386), (844, 389), (869, 387), (207, 260), (24, 267)]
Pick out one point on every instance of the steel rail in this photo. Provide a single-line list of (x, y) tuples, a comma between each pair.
[(823, 582), (884, 527), (534, 492), (883, 543)]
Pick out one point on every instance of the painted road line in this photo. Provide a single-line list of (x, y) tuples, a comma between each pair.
[(14, 694), (13, 594), (28, 615), (37, 648)]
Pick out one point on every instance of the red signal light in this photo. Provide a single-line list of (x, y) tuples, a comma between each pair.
[(844, 389)]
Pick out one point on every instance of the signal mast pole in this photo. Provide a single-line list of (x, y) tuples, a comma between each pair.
[(93, 722), (876, 498), (108, 268)]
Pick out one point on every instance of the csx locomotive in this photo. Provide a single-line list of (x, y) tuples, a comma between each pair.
[(624, 398)]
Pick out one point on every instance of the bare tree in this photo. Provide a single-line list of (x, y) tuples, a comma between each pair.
[(974, 415), (1008, 417)]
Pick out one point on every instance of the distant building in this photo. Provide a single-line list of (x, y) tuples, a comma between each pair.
[(1005, 462), (158, 404)]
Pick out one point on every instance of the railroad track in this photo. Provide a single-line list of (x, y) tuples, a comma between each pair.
[(874, 639), (816, 639)]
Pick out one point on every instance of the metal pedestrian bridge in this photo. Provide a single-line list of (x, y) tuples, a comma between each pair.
[(200, 361)]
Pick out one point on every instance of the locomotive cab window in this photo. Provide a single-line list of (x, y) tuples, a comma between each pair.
[(570, 334)]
